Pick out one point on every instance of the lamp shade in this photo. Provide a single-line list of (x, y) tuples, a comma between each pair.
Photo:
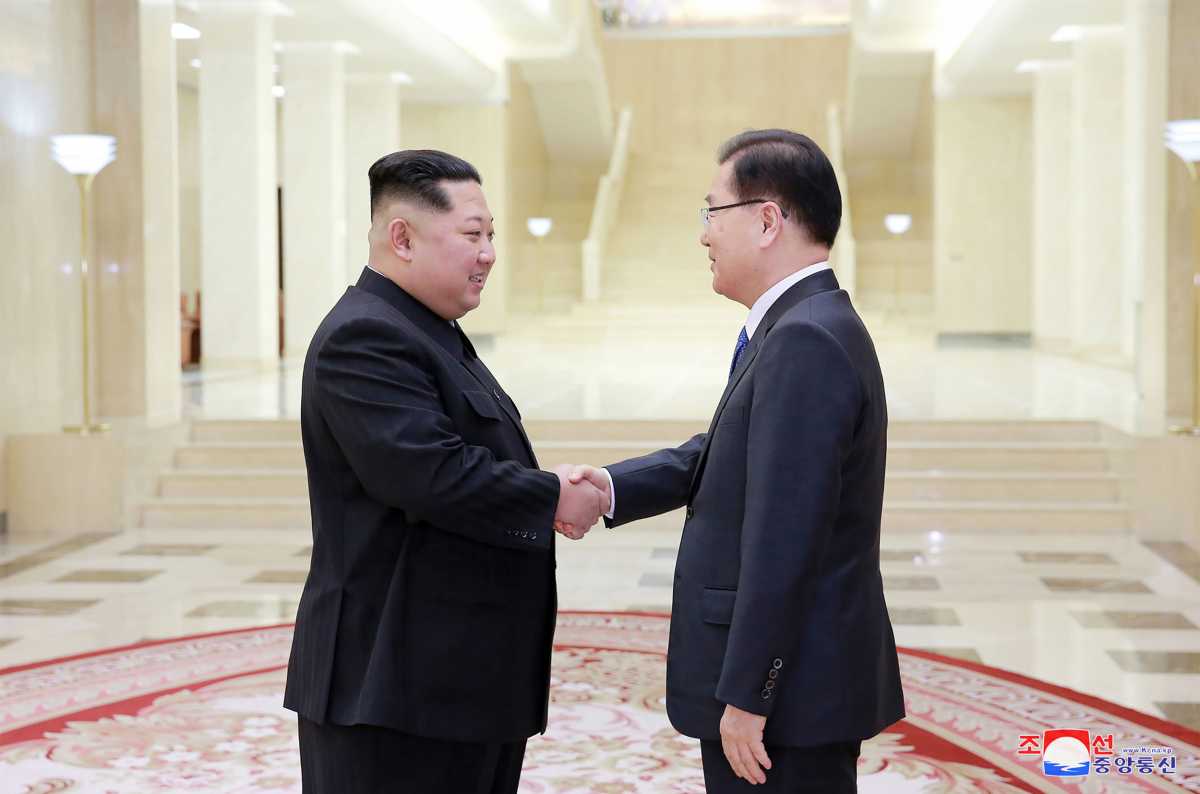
[(83, 154), (539, 227), (1183, 138), (898, 223)]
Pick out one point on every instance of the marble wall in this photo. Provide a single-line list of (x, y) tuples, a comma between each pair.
[(689, 95), (983, 215), (45, 89), (1183, 102)]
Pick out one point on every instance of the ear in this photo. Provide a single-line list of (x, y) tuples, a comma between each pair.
[(400, 238), (771, 219)]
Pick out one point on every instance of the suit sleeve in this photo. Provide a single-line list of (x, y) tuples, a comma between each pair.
[(383, 408), (807, 399), (654, 484)]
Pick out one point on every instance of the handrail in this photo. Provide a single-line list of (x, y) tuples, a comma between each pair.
[(604, 211)]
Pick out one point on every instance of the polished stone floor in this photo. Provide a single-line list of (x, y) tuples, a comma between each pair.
[(670, 363)]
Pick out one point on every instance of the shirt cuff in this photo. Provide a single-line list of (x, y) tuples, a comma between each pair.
[(612, 496)]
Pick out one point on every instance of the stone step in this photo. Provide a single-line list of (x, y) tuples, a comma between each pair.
[(923, 487), (897, 517)]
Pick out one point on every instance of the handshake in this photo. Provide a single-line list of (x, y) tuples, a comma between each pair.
[(583, 498)]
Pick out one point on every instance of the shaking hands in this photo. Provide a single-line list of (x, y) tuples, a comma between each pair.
[(583, 499)]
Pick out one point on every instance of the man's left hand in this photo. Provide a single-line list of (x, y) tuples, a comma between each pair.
[(742, 740)]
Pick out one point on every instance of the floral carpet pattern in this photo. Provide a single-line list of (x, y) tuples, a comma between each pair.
[(203, 714)]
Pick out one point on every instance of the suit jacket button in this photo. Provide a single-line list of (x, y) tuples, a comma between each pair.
[(772, 674), (770, 685), (766, 693), (777, 664)]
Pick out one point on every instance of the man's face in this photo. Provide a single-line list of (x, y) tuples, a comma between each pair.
[(729, 238), (452, 252)]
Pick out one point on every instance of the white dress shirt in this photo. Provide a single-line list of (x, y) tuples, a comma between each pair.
[(757, 312)]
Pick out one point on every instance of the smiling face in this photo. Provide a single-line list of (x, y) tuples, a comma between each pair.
[(731, 239), (448, 255)]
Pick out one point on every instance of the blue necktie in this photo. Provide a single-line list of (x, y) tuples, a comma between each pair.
[(743, 340)]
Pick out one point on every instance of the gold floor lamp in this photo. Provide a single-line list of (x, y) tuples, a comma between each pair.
[(84, 156)]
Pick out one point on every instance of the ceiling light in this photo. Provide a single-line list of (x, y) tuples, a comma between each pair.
[(278, 91), (539, 227), (1183, 138), (898, 223), (1068, 33), (181, 31), (195, 62), (401, 78)]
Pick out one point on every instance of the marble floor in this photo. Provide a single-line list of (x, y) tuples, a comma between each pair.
[(607, 362), (1112, 615)]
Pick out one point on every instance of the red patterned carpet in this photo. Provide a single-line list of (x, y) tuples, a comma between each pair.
[(203, 714)]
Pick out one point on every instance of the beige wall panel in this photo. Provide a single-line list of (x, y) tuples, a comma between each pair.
[(1053, 199), (983, 217), (689, 95)]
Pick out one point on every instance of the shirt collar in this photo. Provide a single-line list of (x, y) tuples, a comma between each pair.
[(453, 323), (768, 298)]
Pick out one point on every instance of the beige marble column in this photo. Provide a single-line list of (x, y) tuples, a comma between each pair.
[(161, 216), (1145, 260), (1052, 204), (1097, 173), (135, 268), (240, 266), (372, 130), (314, 178)]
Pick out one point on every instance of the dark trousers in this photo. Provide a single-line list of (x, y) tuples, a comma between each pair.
[(365, 759), (828, 769)]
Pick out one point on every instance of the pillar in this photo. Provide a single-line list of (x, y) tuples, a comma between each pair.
[(1052, 204), (373, 130), (240, 275), (314, 179), (1097, 218)]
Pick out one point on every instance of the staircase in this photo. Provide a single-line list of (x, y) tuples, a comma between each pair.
[(990, 477)]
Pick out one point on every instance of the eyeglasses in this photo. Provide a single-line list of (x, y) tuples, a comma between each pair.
[(706, 211)]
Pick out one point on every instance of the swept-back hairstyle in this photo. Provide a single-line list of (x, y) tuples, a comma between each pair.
[(416, 175), (788, 168)]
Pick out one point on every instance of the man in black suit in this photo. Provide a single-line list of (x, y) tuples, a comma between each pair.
[(421, 659), (782, 658)]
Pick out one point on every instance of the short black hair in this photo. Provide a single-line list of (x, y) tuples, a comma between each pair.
[(416, 175), (789, 168)]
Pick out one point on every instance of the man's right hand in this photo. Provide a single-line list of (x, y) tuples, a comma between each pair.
[(580, 504)]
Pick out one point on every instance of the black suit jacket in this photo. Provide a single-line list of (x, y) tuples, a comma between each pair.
[(430, 601), (778, 599)]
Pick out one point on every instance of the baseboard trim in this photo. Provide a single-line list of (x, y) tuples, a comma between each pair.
[(1022, 341)]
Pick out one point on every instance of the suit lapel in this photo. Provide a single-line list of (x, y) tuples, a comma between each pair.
[(474, 365), (446, 335), (825, 281)]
